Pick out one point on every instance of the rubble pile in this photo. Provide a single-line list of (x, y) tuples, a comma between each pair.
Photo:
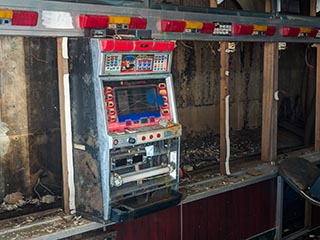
[(200, 152)]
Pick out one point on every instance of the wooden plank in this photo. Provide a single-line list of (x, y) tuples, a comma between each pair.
[(195, 220), (161, 225), (224, 91), (269, 105), (63, 69)]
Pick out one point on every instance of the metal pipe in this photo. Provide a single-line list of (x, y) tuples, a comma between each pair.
[(227, 135), (138, 175)]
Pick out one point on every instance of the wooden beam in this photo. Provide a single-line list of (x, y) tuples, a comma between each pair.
[(224, 91), (269, 104), (213, 4), (268, 5), (62, 70)]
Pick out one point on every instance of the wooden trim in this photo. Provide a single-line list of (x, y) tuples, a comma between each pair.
[(63, 69), (224, 91), (269, 105)]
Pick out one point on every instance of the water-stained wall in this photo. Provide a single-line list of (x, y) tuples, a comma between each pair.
[(196, 73), (29, 114)]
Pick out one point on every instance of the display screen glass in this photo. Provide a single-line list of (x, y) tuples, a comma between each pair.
[(134, 103)]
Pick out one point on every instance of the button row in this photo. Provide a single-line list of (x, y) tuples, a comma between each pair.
[(151, 136)]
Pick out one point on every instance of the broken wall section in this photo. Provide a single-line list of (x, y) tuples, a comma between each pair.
[(29, 108), (196, 74)]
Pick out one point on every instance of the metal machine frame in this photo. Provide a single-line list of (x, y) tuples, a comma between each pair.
[(98, 149)]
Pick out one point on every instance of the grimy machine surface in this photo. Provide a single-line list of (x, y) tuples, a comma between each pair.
[(126, 133)]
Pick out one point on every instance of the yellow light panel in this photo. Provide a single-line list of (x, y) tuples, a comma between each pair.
[(6, 14), (305, 30), (260, 28), (119, 19), (194, 25)]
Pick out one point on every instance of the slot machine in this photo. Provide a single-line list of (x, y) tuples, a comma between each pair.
[(126, 134)]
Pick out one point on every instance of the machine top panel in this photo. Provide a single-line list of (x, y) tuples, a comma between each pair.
[(135, 56), (111, 45)]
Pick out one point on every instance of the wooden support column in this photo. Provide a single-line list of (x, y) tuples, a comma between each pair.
[(317, 115), (224, 91), (308, 206), (269, 104), (62, 70), (268, 5), (313, 8)]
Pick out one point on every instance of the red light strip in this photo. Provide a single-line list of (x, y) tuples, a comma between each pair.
[(111, 45), (172, 26), (138, 23), (207, 28), (290, 31), (314, 32), (240, 29), (24, 18), (271, 30), (93, 21)]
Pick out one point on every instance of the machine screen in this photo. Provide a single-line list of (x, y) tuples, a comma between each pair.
[(135, 103)]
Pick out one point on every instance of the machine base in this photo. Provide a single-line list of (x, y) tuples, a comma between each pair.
[(130, 210)]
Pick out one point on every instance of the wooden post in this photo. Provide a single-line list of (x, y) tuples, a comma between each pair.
[(224, 91), (269, 104), (313, 8), (317, 115), (62, 70), (308, 206)]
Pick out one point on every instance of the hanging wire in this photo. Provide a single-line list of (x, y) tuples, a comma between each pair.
[(309, 65), (186, 45)]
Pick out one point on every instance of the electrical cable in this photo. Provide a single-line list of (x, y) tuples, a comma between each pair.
[(227, 135)]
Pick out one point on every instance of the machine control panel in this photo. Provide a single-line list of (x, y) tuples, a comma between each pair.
[(135, 63), (140, 136)]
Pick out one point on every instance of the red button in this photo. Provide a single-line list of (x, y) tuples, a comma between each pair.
[(151, 136), (115, 142), (143, 138), (158, 135)]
